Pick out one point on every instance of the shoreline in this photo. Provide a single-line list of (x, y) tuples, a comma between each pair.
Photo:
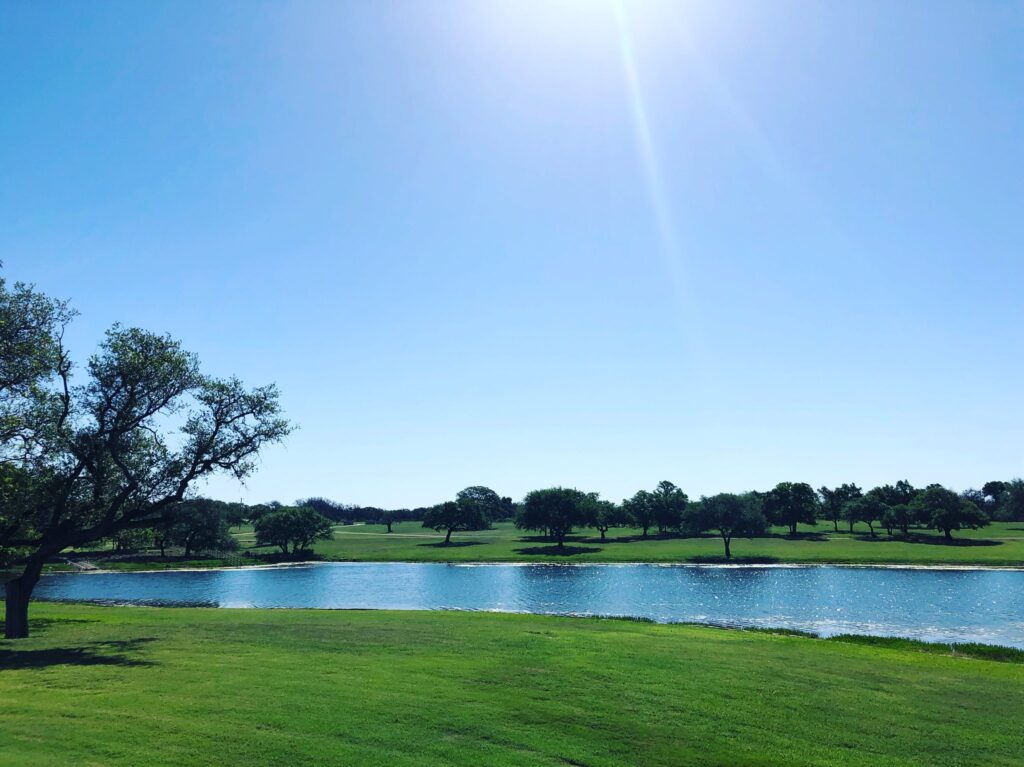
[(707, 565)]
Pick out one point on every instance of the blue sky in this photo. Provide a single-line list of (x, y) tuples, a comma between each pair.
[(533, 243)]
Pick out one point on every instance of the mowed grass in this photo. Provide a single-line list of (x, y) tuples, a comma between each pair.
[(160, 686), (998, 544)]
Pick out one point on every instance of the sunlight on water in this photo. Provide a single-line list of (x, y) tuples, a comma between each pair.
[(935, 605)]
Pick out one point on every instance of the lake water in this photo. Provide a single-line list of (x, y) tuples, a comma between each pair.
[(935, 605)]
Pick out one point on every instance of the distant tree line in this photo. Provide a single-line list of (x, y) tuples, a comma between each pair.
[(202, 525), (556, 512)]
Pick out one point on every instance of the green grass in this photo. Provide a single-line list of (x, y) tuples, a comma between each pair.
[(160, 686), (999, 544)]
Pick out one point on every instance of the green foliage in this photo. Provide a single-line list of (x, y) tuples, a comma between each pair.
[(292, 529), (103, 459), (642, 510), (604, 515), (466, 513), (198, 524), (669, 506), (791, 504), (868, 509), (946, 511), (481, 503), (833, 501), (728, 515), (555, 511)]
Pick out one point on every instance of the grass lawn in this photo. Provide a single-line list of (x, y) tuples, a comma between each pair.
[(160, 686), (998, 544)]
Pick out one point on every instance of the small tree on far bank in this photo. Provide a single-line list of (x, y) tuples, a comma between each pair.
[(452, 517), (555, 511), (292, 529), (641, 509), (729, 515), (669, 506), (482, 502), (605, 514), (946, 511), (867, 509), (790, 504), (833, 502)]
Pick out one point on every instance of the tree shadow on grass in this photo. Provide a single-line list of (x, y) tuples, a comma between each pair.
[(928, 540), (555, 551), (114, 653), (814, 537), (721, 560), (450, 544)]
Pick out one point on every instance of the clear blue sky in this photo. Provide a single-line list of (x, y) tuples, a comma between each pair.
[(522, 244)]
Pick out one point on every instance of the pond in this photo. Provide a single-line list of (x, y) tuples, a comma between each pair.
[(960, 605)]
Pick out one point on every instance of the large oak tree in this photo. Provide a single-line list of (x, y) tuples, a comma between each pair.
[(89, 461)]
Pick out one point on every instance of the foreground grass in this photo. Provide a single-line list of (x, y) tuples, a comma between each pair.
[(158, 686)]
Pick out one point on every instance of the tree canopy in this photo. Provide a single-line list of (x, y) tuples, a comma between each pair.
[(790, 504), (85, 462), (729, 515), (292, 529), (469, 511), (555, 511), (944, 510)]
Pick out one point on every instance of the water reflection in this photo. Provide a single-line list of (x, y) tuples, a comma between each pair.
[(937, 605)]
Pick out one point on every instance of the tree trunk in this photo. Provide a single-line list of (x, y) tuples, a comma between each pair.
[(602, 532), (792, 529), (851, 525), (949, 534), (728, 553), (645, 532), (448, 537), (18, 594), (835, 522), (389, 526), (871, 529)]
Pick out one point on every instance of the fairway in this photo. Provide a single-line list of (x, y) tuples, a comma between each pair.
[(999, 544), (161, 686)]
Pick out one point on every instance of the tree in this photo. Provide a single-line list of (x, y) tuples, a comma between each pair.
[(482, 502), (334, 511), (790, 504), (994, 495), (556, 510), (728, 515), (947, 511), (669, 506), (641, 508), (897, 499), (292, 529), (867, 509), (196, 524), (833, 502), (605, 514), (453, 516), (104, 457), (1010, 504)]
